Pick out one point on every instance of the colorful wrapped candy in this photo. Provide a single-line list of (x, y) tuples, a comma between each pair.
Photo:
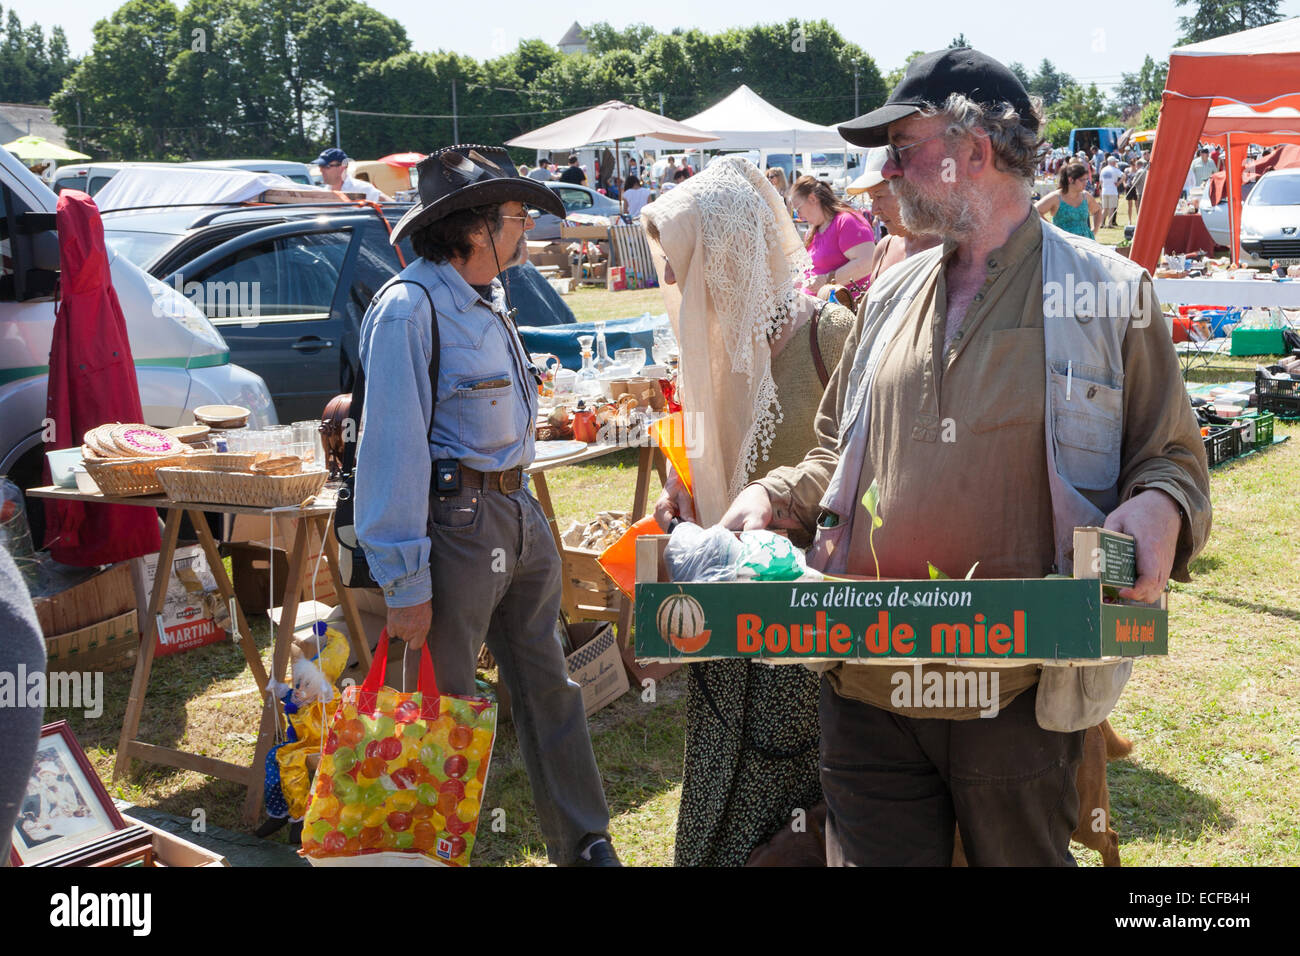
[(402, 775)]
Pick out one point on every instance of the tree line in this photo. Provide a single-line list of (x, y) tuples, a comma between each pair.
[(32, 68), (222, 78)]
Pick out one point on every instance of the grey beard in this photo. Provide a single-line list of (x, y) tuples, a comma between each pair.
[(957, 216)]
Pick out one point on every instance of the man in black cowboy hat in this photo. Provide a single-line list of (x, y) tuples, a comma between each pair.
[(460, 548)]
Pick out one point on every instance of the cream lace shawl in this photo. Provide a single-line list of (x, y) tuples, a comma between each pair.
[(738, 261)]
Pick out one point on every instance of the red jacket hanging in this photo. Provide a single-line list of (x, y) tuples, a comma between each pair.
[(92, 381)]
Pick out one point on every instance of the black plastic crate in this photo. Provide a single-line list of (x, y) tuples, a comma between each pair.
[(1281, 396), (1219, 444)]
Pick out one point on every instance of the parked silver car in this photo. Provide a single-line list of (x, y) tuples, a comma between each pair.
[(576, 199), (1216, 217), (1270, 219)]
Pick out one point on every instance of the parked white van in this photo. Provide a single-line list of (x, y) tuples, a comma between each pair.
[(181, 360)]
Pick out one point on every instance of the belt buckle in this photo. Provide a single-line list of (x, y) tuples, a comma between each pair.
[(501, 482)]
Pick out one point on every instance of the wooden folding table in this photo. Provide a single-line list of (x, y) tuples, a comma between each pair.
[(650, 459), (315, 518)]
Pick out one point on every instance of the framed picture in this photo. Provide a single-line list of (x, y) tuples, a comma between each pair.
[(66, 805)]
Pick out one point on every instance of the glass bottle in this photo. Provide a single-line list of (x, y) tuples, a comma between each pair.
[(586, 382), (603, 361)]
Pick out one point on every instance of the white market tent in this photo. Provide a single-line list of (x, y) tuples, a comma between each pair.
[(744, 120)]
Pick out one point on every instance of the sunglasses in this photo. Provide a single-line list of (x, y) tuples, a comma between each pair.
[(895, 153)]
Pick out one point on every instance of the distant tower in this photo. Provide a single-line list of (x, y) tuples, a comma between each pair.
[(574, 40)]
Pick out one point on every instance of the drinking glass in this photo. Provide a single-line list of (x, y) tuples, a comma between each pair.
[(631, 359)]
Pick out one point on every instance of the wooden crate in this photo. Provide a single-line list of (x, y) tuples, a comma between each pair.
[(108, 594), (588, 594), (106, 646)]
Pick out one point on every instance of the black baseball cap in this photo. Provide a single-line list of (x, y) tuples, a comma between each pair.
[(930, 78)]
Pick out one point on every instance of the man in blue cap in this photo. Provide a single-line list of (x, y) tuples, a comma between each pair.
[(333, 164)]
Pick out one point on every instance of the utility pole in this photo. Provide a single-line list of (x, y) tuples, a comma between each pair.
[(455, 120), (661, 104), (337, 133), (857, 110), (81, 132)]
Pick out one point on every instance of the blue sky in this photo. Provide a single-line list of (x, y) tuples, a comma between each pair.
[(1073, 38)]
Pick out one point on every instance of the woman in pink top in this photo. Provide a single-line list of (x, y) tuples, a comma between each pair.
[(840, 240)]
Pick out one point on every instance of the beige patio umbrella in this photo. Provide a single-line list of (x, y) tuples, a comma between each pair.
[(614, 120), (31, 149)]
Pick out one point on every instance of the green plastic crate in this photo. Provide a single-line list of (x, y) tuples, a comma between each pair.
[(1258, 342), (1264, 429)]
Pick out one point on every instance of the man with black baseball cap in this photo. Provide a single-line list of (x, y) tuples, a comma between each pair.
[(997, 394)]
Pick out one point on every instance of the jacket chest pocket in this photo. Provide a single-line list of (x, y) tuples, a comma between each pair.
[(1088, 427), (487, 414)]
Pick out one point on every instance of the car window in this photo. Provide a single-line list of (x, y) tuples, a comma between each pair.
[(139, 248), (292, 275), (575, 199), (97, 183), (1276, 191), (376, 263)]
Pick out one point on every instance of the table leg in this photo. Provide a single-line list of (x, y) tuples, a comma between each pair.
[(661, 468), (227, 590), (357, 633), (144, 657), (271, 721), (543, 494), (643, 468)]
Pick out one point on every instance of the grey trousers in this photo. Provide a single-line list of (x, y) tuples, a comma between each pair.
[(895, 786), (496, 577)]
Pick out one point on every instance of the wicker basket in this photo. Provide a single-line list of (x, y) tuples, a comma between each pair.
[(128, 477), (241, 462), (232, 488)]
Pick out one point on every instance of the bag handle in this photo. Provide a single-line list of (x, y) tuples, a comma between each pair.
[(427, 684)]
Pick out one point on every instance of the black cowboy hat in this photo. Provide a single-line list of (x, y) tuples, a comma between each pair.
[(458, 177)]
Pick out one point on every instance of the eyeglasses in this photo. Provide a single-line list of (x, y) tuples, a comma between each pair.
[(520, 218), (895, 153)]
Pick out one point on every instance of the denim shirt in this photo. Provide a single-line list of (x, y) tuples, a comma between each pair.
[(485, 428)]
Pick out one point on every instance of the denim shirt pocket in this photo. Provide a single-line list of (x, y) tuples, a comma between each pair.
[(486, 418), (1088, 427)]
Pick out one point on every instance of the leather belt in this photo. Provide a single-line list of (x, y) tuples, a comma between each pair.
[(502, 481)]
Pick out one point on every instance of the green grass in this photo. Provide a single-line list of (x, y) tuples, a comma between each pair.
[(590, 305), (1214, 778)]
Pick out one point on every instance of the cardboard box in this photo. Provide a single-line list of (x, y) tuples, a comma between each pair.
[(584, 231), (549, 254), (107, 646), (108, 594), (596, 664), (977, 622), (194, 613), (250, 538), (171, 850)]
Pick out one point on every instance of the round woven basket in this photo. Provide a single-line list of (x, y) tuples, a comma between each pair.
[(129, 477), (232, 488)]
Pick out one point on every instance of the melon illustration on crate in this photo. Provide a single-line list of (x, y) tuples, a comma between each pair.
[(681, 623), (403, 781)]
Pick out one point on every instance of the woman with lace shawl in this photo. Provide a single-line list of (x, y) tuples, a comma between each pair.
[(754, 351)]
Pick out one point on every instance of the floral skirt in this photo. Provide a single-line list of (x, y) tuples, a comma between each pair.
[(752, 758)]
